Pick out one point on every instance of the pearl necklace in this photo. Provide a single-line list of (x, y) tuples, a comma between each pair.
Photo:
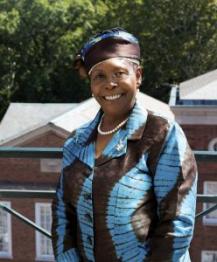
[(104, 133)]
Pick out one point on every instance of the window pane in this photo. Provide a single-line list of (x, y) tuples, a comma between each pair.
[(44, 220), (209, 256), (4, 231), (210, 188)]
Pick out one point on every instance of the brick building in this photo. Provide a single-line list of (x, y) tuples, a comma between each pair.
[(194, 103), (28, 125), (39, 125)]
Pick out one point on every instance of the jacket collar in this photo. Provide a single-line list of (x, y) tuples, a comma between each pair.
[(84, 137), (136, 122), (133, 130)]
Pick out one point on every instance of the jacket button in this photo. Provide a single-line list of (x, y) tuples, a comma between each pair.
[(89, 218), (87, 196), (89, 239)]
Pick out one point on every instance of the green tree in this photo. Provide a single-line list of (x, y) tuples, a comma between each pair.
[(39, 38), (178, 38), (37, 41)]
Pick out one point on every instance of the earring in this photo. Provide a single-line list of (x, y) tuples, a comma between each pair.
[(139, 83)]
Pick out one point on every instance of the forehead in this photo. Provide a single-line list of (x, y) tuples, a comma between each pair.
[(112, 63)]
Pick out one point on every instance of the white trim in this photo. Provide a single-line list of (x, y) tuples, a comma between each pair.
[(210, 253), (207, 220), (212, 144), (9, 253), (195, 115), (50, 165), (38, 236), (173, 96)]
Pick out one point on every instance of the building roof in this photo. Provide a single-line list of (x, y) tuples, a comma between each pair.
[(194, 102), (22, 118), (203, 87)]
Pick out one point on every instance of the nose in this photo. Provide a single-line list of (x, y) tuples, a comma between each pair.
[(111, 83)]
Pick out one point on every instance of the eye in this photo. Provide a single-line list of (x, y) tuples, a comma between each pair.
[(120, 74), (98, 77)]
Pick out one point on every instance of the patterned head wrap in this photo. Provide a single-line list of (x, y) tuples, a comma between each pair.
[(111, 43)]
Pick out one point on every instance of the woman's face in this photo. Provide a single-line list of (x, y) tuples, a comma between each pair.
[(114, 83)]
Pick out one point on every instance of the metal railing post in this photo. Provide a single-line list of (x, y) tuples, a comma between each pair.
[(25, 220)]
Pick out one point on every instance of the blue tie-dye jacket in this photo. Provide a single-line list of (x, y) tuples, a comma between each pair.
[(136, 202)]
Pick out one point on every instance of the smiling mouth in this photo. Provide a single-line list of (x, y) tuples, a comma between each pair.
[(114, 97)]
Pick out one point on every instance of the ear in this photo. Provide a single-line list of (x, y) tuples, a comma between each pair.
[(78, 65), (139, 74)]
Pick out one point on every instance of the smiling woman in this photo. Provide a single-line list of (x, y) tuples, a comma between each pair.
[(127, 191), (114, 84)]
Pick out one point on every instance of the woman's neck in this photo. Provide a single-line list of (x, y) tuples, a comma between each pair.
[(109, 122)]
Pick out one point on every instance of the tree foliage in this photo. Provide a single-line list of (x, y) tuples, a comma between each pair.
[(38, 39)]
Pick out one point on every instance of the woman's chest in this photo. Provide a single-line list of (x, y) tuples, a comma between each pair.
[(117, 178)]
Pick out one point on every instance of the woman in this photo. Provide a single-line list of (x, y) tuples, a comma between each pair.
[(128, 186)]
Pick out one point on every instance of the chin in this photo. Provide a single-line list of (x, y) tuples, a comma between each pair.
[(117, 112)]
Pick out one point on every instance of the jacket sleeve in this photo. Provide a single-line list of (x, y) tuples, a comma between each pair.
[(64, 223), (174, 185)]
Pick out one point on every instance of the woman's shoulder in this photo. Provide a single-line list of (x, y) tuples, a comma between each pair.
[(155, 118), (157, 121), (163, 125), (74, 144)]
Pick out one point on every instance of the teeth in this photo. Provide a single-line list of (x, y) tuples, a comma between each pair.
[(112, 97)]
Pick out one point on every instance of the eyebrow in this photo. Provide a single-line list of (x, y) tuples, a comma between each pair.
[(115, 68), (97, 70)]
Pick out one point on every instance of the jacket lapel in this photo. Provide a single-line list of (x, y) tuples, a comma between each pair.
[(84, 138), (82, 143), (133, 131)]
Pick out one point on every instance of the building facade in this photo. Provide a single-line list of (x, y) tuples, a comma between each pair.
[(194, 104)]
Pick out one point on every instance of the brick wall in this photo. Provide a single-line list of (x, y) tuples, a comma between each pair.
[(27, 172), (199, 137)]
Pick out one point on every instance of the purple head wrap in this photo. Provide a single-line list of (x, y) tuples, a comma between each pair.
[(108, 44)]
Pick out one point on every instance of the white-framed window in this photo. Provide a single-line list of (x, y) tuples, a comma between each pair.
[(5, 232), (43, 218), (210, 188), (50, 165), (213, 145), (209, 256)]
